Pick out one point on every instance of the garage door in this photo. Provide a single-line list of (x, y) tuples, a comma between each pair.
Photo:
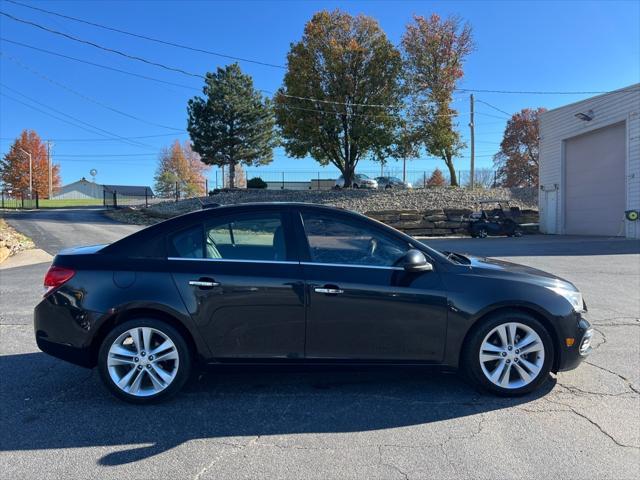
[(595, 182)]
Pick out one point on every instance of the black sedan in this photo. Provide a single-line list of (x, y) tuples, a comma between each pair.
[(300, 283)]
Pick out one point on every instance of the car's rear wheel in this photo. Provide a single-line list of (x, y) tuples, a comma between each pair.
[(482, 233), (509, 354), (144, 360)]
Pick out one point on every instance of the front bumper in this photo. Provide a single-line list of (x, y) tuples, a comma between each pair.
[(572, 355)]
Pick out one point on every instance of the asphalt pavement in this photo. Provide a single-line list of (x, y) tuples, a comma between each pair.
[(59, 422)]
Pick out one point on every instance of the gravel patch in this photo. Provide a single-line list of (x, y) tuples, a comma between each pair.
[(11, 241), (358, 200)]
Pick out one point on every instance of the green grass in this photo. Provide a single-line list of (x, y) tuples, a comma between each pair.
[(71, 202)]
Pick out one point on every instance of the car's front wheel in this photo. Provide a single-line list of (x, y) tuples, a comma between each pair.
[(144, 360), (509, 354)]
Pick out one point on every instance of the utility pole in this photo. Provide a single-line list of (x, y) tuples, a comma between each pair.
[(473, 145), (49, 144), (404, 170), (30, 171)]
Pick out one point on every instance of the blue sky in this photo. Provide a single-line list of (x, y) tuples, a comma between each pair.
[(521, 46)]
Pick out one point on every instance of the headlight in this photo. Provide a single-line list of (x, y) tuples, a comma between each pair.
[(574, 297)]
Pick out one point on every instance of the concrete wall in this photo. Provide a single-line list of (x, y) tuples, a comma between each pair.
[(559, 125)]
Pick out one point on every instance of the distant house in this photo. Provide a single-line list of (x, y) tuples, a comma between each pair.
[(84, 189)]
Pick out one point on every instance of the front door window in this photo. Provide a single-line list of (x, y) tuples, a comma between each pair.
[(340, 241)]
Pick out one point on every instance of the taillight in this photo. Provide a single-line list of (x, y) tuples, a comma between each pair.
[(56, 277)]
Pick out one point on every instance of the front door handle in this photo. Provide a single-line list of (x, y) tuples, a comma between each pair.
[(328, 291), (204, 283)]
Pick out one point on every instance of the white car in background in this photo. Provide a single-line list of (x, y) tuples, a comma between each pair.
[(360, 180)]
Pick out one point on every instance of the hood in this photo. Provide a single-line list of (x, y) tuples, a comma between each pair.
[(490, 266)]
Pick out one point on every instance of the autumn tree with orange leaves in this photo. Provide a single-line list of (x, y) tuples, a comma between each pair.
[(434, 53), (436, 179), (517, 161), (14, 167), (340, 92), (180, 165)]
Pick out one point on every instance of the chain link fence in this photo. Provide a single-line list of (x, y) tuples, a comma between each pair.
[(323, 180), (116, 196)]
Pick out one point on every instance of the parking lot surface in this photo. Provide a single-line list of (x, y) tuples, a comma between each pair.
[(59, 422)]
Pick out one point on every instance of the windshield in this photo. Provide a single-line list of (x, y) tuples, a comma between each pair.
[(361, 175)]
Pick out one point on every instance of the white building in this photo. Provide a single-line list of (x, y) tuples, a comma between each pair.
[(84, 189), (590, 166)]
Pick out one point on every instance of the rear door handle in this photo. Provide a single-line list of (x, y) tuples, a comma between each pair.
[(328, 291), (204, 283)]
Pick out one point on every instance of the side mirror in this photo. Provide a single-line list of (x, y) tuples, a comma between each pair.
[(415, 261)]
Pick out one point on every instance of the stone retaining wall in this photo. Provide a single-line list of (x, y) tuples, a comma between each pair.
[(434, 211), (439, 221)]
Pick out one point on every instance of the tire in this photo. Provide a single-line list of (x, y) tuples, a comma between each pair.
[(120, 357), (482, 233), (355, 185), (506, 368)]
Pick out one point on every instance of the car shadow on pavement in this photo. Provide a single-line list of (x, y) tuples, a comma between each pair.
[(63, 406)]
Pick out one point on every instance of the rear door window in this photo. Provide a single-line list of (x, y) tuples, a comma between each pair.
[(254, 236), (187, 243)]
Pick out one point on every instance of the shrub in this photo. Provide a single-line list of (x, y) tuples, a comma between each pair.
[(256, 182)]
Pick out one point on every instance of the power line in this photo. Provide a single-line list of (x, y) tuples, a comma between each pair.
[(197, 89), (151, 39), (494, 107), (202, 76), (100, 47), (191, 74), (491, 116), (533, 92), (179, 70), (106, 67), (107, 132), (105, 155), (184, 72), (103, 139), (85, 97), (46, 113)]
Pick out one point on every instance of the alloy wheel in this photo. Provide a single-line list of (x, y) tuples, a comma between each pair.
[(511, 355), (142, 361)]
